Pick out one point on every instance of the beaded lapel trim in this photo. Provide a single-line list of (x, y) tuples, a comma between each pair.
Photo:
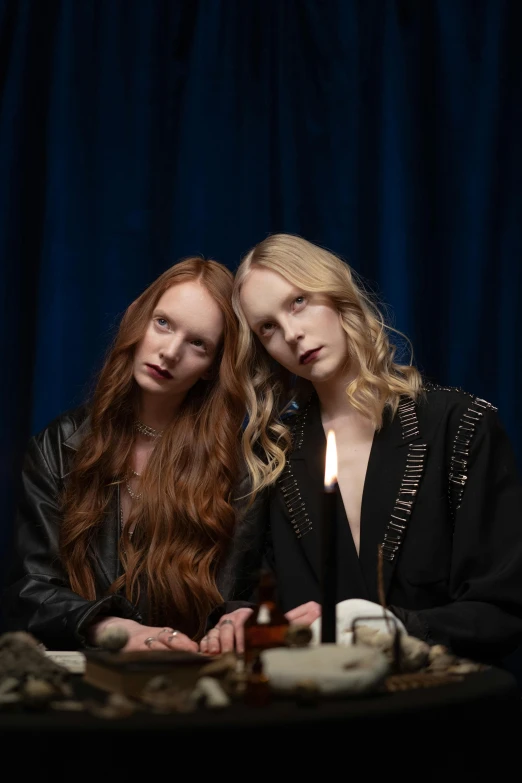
[(413, 472), (459, 460), (299, 519)]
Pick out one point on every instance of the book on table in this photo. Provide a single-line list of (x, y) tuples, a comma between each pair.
[(128, 673)]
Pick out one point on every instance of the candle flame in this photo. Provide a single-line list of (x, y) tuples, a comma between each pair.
[(330, 471)]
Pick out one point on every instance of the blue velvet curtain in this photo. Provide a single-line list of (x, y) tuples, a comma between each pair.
[(135, 133)]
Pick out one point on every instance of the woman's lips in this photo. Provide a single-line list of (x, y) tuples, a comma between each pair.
[(309, 356), (157, 372)]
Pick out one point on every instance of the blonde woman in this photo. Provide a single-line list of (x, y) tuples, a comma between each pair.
[(426, 474)]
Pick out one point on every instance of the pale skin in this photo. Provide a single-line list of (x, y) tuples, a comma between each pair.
[(303, 332), (181, 341)]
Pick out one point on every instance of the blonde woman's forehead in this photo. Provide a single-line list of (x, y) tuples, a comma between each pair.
[(263, 291)]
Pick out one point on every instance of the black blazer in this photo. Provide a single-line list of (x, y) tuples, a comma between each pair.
[(441, 496)]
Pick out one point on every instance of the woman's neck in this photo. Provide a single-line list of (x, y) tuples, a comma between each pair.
[(156, 413), (333, 400)]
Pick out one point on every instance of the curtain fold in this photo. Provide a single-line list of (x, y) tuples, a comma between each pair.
[(135, 133)]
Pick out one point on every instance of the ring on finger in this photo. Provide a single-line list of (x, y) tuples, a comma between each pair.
[(167, 630), (225, 622), (148, 641)]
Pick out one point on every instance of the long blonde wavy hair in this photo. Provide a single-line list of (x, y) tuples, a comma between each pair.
[(185, 514), (267, 387)]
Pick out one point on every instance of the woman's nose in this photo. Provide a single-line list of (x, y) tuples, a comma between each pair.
[(292, 332), (170, 350)]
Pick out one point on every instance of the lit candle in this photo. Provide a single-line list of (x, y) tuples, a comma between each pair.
[(329, 545)]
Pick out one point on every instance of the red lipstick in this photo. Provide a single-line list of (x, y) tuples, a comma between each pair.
[(309, 356), (158, 372)]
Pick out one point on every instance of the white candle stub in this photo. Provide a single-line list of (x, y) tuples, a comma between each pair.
[(330, 468)]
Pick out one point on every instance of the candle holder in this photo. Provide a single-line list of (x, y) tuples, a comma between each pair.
[(397, 665)]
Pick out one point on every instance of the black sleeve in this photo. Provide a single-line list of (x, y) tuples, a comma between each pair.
[(484, 618), (248, 553), (38, 597)]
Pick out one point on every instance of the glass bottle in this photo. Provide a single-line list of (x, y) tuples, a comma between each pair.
[(257, 690), (267, 626)]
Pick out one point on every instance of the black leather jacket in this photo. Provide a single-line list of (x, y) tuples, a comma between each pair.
[(38, 597)]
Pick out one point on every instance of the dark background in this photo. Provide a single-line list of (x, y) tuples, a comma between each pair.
[(135, 133)]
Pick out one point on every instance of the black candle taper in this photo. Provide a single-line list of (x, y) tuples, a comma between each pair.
[(329, 545)]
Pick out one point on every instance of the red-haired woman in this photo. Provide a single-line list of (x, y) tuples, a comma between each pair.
[(125, 513)]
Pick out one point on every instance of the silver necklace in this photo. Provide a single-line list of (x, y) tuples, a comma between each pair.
[(144, 429), (134, 495)]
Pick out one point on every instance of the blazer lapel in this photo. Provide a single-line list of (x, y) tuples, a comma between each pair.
[(394, 473), (302, 481)]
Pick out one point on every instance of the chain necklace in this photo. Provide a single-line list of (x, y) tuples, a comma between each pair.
[(149, 432), (134, 495)]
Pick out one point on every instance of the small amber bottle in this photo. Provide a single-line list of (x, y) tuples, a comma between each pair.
[(267, 626), (257, 691)]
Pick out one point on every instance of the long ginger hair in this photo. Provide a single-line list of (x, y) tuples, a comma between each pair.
[(267, 387), (184, 517)]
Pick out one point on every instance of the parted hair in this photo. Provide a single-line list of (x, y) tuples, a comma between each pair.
[(268, 389), (185, 517)]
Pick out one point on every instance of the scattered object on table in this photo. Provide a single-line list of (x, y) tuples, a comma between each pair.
[(8, 700), (220, 666), (348, 611), (72, 660), (8, 685), (27, 675), (441, 659), (116, 706), (299, 635), (209, 691), (336, 669), (257, 688), (129, 672), (9, 694), (113, 638), (37, 693), (409, 681), (68, 705), (413, 652), (162, 696)]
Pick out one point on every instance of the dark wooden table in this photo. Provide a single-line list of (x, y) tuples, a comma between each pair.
[(472, 728)]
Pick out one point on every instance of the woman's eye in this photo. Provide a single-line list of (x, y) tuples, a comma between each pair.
[(299, 300), (198, 343), (266, 328), (162, 322)]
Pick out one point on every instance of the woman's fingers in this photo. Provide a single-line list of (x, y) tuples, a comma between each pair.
[(304, 614), (175, 640), (150, 638), (227, 635)]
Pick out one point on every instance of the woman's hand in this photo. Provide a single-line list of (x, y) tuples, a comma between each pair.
[(144, 637), (304, 614), (227, 635)]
